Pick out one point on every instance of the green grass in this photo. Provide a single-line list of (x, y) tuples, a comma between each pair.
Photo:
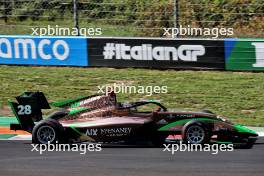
[(24, 27), (236, 95)]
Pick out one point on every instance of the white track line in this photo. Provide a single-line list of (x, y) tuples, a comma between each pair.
[(259, 130), (21, 137)]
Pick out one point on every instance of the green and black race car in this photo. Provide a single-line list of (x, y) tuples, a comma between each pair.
[(100, 118)]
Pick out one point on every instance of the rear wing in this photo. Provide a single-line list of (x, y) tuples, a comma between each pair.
[(27, 110), (28, 107)]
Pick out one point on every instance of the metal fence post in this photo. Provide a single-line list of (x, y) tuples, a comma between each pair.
[(75, 15), (176, 15), (7, 10)]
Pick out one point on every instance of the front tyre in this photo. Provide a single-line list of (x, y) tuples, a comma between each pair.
[(47, 131), (196, 133), (249, 144)]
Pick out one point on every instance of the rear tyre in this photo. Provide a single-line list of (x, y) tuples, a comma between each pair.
[(47, 131), (196, 132)]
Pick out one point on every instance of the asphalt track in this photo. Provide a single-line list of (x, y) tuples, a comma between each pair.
[(16, 158)]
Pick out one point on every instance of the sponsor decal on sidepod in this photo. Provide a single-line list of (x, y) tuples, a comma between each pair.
[(109, 132)]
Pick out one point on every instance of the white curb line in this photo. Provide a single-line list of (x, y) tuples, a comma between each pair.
[(259, 130), (21, 137)]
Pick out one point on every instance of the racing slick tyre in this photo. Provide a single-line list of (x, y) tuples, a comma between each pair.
[(196, 132), (249, 144), (48, 130)]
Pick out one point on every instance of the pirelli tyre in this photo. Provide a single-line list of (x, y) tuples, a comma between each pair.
[(249, 144), (196, 132), (47, 131)]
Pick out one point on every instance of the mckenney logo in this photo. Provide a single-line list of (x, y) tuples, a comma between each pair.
[(148, 52), (109, 132), (28, 48)]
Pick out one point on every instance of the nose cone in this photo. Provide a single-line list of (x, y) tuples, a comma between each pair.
[(243, 129)]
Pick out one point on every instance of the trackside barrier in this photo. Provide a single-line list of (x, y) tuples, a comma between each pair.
[(156, 53), (244, 54), (228, 54), (47, 51)]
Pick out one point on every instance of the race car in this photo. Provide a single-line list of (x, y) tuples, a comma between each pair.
[(100, 118)]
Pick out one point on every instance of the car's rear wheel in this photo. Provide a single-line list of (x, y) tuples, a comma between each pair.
[(196, 133), (47, 131)]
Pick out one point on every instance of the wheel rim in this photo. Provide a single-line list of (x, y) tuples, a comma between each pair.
[(195, 134), (46, 134)]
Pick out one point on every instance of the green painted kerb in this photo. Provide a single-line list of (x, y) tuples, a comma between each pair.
[(166, 127), (6, 136), (6, 121)]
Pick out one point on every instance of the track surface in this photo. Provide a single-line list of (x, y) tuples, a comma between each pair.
[(16, 158)]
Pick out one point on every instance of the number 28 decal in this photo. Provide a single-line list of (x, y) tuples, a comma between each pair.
[(24, 109)]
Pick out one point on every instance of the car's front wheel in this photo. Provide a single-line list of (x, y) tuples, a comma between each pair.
[(196, 133)]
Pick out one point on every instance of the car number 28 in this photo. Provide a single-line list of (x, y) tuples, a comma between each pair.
[(24, 110)]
